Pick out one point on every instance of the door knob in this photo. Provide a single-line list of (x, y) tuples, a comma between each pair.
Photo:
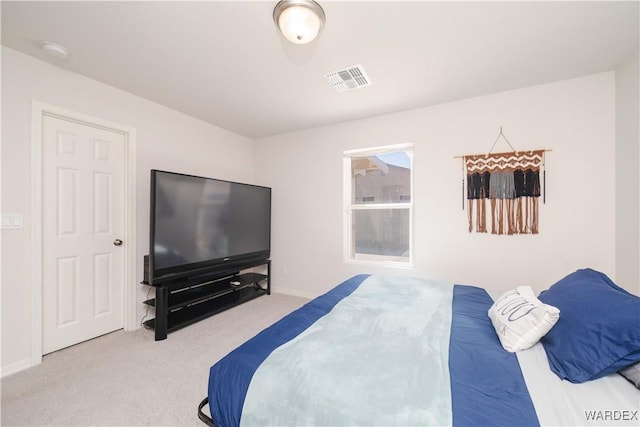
[(117, 242)]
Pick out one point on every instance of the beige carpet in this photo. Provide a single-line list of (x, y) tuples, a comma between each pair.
[(128, 379)]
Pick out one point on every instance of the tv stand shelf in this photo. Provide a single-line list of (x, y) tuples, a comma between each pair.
[(181, 302)]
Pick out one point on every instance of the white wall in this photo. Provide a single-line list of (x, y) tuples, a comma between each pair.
[(627, 175), (166, 139), (574, 118)]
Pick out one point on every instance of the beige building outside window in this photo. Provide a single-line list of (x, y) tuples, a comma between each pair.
[(378, 205)]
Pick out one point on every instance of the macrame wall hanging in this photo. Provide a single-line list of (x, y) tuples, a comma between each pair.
[(504, 189)]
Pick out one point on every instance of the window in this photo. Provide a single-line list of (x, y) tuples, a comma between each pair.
[(378, 204)]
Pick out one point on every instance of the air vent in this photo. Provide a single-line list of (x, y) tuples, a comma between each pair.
[(350, 78)]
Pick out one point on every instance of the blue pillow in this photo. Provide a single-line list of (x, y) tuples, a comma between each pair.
[(599, 327)]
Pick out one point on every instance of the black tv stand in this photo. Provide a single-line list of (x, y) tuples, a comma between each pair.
[(181, 302)]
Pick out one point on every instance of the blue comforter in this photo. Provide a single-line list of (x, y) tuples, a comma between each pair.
[(375, 351)]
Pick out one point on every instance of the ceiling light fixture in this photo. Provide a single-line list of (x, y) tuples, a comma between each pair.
[(55, 50), (300, 21)]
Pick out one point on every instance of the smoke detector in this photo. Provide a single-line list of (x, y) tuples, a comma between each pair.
[(350, 78), (55, 50)]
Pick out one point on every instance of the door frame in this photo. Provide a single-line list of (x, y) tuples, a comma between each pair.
[(38, 111)]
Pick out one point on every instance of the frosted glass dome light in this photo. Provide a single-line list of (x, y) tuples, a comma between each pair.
[(300, 21)]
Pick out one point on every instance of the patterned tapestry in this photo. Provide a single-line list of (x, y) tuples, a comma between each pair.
[(507, 187)]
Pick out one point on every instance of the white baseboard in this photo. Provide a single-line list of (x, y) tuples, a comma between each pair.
[(16, 367), (293, 292)]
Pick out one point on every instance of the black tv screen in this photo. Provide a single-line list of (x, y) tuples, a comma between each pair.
[(199, 223)]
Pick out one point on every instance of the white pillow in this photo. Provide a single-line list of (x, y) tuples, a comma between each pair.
[(520, 319)]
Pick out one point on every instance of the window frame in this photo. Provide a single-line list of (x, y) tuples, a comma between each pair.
[(350, 255)]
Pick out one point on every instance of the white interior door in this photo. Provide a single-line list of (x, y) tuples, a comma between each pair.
[(83, 225)]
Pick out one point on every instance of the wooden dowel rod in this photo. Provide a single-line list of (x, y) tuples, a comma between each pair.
[(495, 154)]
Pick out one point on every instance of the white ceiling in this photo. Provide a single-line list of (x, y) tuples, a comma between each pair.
[(226, 63)]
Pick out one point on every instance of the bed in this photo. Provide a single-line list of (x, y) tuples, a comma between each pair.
[(403, 351)]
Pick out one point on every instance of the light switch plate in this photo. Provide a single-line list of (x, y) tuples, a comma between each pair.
[(12, 221)]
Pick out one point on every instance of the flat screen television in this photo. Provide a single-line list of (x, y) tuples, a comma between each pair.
[(198, 224)]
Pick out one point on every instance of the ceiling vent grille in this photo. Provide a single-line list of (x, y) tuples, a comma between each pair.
[(350, 78)]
